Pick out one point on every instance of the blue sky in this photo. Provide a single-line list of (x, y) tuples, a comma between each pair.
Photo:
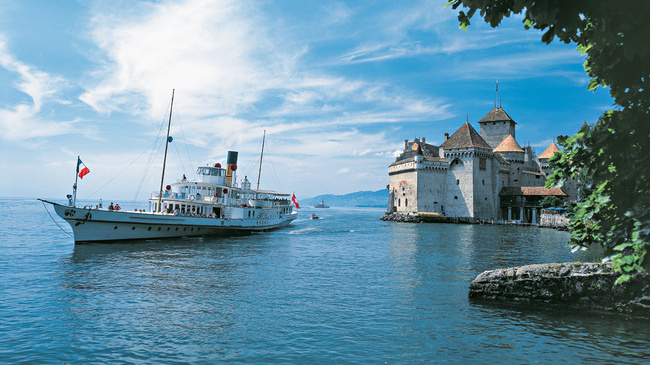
[(337, 86)]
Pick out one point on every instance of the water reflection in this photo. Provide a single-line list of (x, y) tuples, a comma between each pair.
[(162, 288), (592, 335)]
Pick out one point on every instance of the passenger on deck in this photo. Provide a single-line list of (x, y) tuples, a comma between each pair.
[(110, 207)]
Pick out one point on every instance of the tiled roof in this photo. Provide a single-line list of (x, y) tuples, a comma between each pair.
[(410, 159), (549, 152), (497, 115), (532, 191), (465, 137), (508, 145)]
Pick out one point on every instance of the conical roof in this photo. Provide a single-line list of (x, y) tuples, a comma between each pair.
[(509, 144), (549, 152), (497, 115), (466, 136)]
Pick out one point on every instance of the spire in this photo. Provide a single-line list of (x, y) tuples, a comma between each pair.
[(497, 98)]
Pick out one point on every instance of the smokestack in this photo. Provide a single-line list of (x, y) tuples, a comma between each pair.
[(446, 136), (231, 166), (406, 145), (424, 139)]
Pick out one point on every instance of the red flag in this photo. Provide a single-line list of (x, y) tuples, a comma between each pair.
[(293, 199), (83, 171)]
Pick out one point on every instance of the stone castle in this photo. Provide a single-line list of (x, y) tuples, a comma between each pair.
[(483, 175)]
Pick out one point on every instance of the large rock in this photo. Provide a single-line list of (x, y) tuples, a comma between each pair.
[(578, 284)]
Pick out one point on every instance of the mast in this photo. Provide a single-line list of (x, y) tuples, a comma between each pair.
[(162, 178), (259, 173), (74, 187)]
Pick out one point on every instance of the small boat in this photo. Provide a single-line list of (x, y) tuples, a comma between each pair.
[(212, 204), (321, 205), (314, 216)]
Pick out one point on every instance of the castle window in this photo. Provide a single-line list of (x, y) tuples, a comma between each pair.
[(455, 197), (457, 182), (482, 163), (406, 202), (399, 202), (483, 181)]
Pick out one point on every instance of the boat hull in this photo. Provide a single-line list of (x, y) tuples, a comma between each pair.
[(93, 225)]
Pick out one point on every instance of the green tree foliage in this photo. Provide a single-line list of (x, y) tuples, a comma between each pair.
[(613, 155), (552, 201)]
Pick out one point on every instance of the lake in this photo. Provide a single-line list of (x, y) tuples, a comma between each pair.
[(347, 288)]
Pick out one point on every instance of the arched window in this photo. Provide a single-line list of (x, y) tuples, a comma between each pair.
[(406, 202)]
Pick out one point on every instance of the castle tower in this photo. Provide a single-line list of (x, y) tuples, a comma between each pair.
[(496, 126), (543, 158), (568, 187), (470, 189), (416, 179)]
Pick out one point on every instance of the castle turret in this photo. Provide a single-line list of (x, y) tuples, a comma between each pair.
[(511, 150), (548, 153), (496, 126)]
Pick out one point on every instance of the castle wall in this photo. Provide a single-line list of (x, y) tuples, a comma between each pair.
[(532, 179), (431, 189), (459, 192), (403, 184), (484, 186)]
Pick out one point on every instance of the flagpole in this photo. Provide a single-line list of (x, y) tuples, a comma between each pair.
[(162, 178), (74, 187)]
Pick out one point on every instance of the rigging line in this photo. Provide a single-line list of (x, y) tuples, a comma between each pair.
[(153, 153), (180, 158), (116, 175), (121, 171), (55, 222), (152, 157), (252, 161), (178, 119), (274, 174)]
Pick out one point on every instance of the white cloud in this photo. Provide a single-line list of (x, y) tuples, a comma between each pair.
[(25, 120)]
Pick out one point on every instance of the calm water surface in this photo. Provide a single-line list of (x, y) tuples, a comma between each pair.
[(348, 288)]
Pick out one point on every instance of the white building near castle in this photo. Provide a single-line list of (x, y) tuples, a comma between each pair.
[(484, 175)]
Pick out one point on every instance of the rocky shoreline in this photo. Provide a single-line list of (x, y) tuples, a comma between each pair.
[(586, 285), (412, 217)]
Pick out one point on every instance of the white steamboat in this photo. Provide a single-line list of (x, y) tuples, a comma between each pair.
[(211, 204)]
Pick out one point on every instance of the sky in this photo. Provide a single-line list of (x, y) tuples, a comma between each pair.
[(337, 86)]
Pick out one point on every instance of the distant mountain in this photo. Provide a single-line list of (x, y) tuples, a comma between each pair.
[(378, 199)]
